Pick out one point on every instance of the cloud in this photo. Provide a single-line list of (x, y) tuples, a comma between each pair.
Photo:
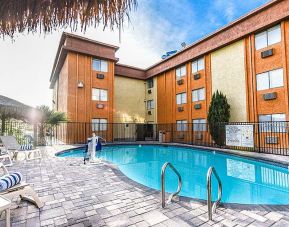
[(26, 64), (156, 27)]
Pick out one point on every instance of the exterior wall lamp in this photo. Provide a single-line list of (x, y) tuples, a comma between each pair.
[(80, 84)]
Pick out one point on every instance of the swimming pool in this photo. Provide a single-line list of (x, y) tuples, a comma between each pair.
[(244, 181)]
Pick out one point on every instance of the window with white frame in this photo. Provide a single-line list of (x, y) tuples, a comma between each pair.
[(198, 65), (182, 125), (150, 104), (99, 124), (268, 37), (181, 98), (99, 94), (272, 123), (199, 125), (198, 95), (181, 71), (99, 65), (271, 79), (150, 83)]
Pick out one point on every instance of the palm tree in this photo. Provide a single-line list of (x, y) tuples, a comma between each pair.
[(49, 119)]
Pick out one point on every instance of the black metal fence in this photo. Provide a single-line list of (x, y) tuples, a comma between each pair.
[(265, 137)]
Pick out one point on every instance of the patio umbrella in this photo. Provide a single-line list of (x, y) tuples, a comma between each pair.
[(48, 15)]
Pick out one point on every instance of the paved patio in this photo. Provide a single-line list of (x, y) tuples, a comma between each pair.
[(99, 195)]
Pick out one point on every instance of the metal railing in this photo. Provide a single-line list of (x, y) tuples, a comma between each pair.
[(268, 137), (213, 208), (163, 183)]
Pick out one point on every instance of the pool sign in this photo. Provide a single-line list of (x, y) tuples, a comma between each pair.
[(240, 135)]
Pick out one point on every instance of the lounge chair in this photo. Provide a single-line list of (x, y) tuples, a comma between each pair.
[(11, 145), (23, 190), (5, 157)]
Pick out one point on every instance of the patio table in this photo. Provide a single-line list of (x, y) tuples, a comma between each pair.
[(5, 205)]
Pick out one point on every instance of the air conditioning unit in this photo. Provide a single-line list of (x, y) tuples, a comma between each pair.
[(180, 108), (198, 106), (197, 76), (149, 112), (100, 106), (180, 81), (149, 91), (271, 140), (267, 53), (270, 96), (198, 136), (100, 76)]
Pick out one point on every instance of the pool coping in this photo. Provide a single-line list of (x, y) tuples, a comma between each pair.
[(116, 170), (259, 207), (280, 160)]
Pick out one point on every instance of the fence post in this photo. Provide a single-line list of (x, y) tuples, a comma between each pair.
[(35, 136), (259, 144)]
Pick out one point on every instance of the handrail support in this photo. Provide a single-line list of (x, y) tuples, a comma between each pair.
[(213, 208), (163, 183)]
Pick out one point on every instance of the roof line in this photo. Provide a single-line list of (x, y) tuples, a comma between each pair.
[(90, 40), (238, 20), (129, 66)]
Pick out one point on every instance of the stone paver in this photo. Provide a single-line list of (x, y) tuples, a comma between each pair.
[(75, 194)]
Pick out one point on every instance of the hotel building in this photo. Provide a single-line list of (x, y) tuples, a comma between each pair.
[(247, 60)]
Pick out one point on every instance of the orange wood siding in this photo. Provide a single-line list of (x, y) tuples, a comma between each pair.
[(81, 108), (256, 65), (168, 88), (62, 93)]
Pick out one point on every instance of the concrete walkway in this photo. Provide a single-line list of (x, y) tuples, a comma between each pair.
[(100, 195)]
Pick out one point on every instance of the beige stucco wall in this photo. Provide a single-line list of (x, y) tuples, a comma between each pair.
[(129, 96), (228, 76), (152, 96)]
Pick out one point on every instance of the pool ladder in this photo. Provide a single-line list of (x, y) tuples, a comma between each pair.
[(163, 183), (211, 170), (213, 208)]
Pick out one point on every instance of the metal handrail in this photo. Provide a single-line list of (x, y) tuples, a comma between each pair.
[(103, 139), (209, 192), (163, 183)]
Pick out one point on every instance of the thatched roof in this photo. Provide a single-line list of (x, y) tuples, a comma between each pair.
[(12, 108), (48, 15)]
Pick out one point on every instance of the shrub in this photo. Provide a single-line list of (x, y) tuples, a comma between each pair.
[(219, 113)]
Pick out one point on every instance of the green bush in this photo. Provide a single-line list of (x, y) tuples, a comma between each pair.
[(219, 113)]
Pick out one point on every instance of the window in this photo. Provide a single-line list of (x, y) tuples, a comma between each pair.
[(198, 65), (181, 98), (99, 65), (99, 124), (150, 104), (181, 71), (272, 123), (182, 125), (99, 94), (270, 79), (150, 83), (200, 125), (268, 37), (198, 95)]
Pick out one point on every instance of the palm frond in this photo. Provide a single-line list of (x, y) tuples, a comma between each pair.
[(48, 15)]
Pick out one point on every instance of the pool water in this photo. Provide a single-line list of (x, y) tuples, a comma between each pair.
[(244, 181)]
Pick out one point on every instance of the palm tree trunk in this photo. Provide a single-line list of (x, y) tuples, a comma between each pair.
[(3, 120)]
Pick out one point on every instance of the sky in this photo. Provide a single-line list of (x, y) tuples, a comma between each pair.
[(155, 27)]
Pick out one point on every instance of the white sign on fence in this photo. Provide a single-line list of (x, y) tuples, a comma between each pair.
[(240, 135)]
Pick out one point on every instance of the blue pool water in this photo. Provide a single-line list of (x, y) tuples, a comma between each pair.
[(244, 181)]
